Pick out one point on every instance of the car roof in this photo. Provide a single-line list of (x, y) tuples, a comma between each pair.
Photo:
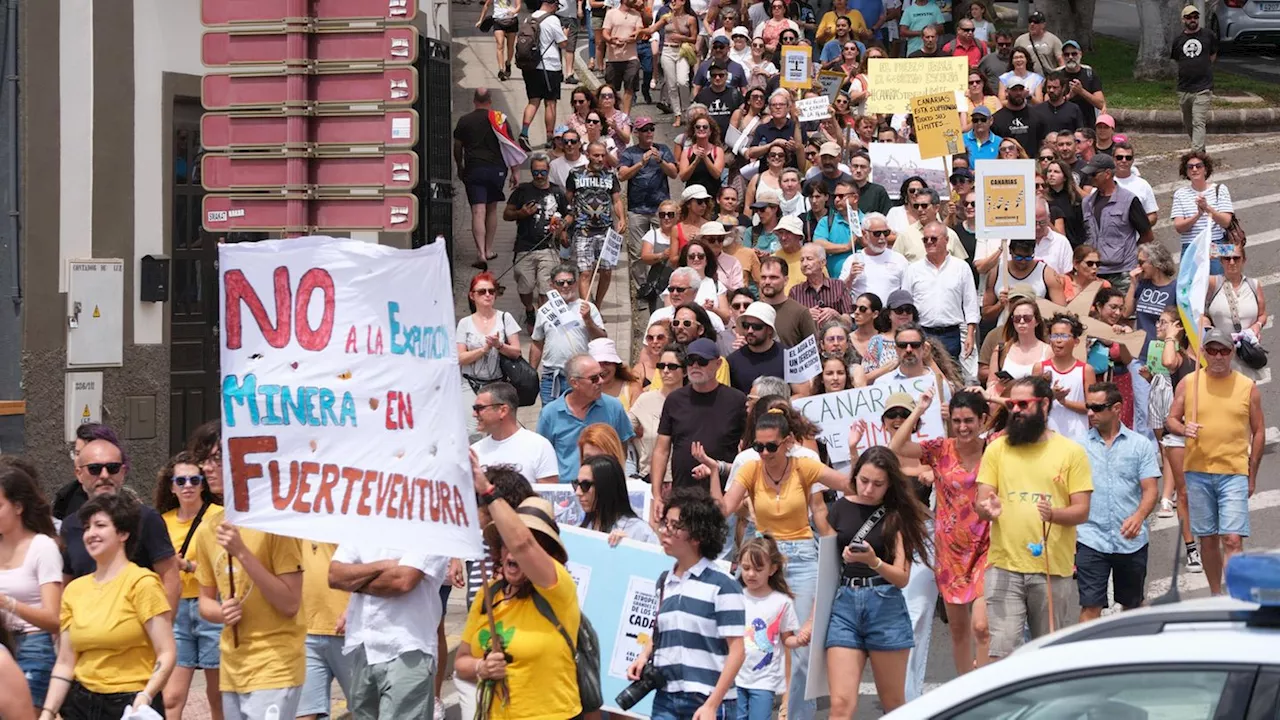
[(1222, 635)]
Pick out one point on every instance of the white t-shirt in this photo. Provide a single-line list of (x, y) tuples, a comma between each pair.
[(657, 240), (504, 9), (486, 368), (550, 35), (766, 619), (528, 451), (41, 566), (881, 274), (389, 627), (1055, 251), (897, 219), (1142, 189), (562, 166)]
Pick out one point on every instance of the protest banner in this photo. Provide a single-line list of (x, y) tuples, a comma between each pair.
[(328, 348), (814, 108), (556, 311), (894, 82), (569, 512), (937, 123), (611, 250), (829, 571), (830, 82), (892, 163), (1006, 199), (833, 413), (802, 361), (795, 67)]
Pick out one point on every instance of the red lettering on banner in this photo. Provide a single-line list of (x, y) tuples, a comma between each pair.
[(399, 410), (422, 484), (460, 509), (351, 342), (281, 501), (362, 505), (291, 313), (242, 472), (352, 476), (324, 494), (304, 488), (446, 508), (315, 339)]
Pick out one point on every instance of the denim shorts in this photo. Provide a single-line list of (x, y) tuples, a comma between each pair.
[(197, 638), (35, 657), (1218, 504), (870, 619)]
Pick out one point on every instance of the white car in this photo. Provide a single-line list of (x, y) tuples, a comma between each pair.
[(1211, 659)]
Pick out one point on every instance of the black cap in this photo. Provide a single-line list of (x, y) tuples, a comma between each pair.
[(1100, 161), (1036, 17), (718, 66)]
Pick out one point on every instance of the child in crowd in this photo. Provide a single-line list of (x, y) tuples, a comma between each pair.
[(772, 628)]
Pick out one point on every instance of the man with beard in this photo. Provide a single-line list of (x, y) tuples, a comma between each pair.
[(996, 63), (1055, 114), (760, 353), (834, 235), (1195, 51), (1034, 487), (915, 358), (872, 197), (574, 157), (101, 470), (1044, 46), (539, 208), (1084, 86), (829, 167), (876, 268), (792, 323), (1016, 119), (719, 55), (703, 411), (980, 142)]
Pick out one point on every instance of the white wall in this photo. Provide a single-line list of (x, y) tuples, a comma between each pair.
[(75, 133)]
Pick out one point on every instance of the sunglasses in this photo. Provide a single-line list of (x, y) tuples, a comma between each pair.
[(604, 96), (914, 191), (896, 414), (1022, 258), (1123, 158), (184, 480), (112, 468), (669, 366), (478, 407), (1195, 166), (571, 141), (583, 485), (539, 173), (676, 288), (980, 119), (1023, 319), (593, 121), (904, 310), (1217, 351), (1097, 407), (579, 101), (920, 206), (769, 446), (702, 127), (912, 344), (777, 156), (931, 240), (682, 323), (666, 215), (1047, 158), (740, 307), (646, 128), (881, 233), (1004, 45), (970, 203), (563, 283), (696, 256), (754, 327), (593, 379), (697, 361), (485, 291), (1065, 336), (862, 308), (1232, 258)]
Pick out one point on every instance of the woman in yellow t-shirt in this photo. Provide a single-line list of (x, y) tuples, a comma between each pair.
[(183, 498), (541, 676), (116, 649)]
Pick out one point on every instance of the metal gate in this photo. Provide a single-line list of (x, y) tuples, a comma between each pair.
[(435, 192)]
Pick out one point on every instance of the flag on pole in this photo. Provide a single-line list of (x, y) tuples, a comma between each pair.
[(1193, 286), (512, 154)]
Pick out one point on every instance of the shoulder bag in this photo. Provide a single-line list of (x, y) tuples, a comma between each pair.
[(586, 654), (518, 371), (1234, 232), (1249, 352)]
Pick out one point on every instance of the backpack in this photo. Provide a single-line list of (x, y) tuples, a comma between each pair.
[(529, 43)]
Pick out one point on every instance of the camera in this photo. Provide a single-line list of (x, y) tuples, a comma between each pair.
[(650, 679)]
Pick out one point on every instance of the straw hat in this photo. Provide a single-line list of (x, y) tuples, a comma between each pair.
[(538, 515)]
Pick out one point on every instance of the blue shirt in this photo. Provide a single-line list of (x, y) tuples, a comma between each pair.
[(834, 228), (649, 186), (1118, 472), (561, 427), (701, 610), (982, 151), (871, 11), (918, 17)]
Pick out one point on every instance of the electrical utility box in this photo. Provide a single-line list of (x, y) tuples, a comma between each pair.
[(95, 313), (83, 401)]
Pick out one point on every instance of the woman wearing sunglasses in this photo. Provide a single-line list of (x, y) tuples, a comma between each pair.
[(656, 338), (619, 121), (601, 488), (1023, 349), (770, 31), (1236, 303), (183, 498), (482, 337), (1084, 263), (702, 163), (977, 94), (582, 101), (646, 411), (1011, 149), (600, 129), (770, 178)]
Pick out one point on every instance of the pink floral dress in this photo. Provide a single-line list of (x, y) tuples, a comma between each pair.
[(961, 537)]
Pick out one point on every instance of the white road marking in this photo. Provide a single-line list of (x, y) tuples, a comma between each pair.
[(1221, 177), (1255, 202), (1213, 150)]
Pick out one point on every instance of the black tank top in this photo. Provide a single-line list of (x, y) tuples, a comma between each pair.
[(847, 518)]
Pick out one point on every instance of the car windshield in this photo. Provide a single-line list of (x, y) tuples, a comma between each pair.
[(1168, 695)]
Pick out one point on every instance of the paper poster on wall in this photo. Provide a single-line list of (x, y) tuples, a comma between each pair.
[(833, 413), (1006, 199), (893, 163), (893, 82), (341, 411), (937, 124), (794, 67)]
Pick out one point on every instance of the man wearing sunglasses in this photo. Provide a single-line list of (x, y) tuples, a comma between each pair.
[(563, 420), (980, 142), (1195, 51), (573, 158), (760, 353), (505, 442), (1225, 440), (1084, 87), (996, 63), (555, 341), (1127, 177), (703, 411), (1044, 46), (101, 470), (1022, 268), (911, 242), (944, 294), (1016, 120), (1111, 545), (876, 268), (966, 45), (1034, 487), (540, 210), (647, 168)]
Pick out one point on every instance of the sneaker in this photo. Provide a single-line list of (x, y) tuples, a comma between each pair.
[(503, 75), (524, 143), (1166, 508), (570, 80), (1193, 560)]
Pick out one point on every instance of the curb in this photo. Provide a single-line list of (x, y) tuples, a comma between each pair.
[(1244, 120), (585, 76)]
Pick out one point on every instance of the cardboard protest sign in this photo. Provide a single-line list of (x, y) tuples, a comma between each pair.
[(894, 82), (342, 417), (612, 248), (802, 362), (814, 108), (937, 124), (833, 413), (795, 67), (1080, 306), (892, 163), (830, 82), (1006, 199)]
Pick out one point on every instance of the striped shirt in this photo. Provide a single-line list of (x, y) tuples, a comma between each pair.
[(700, 611), (1184, 206), (831, 294)]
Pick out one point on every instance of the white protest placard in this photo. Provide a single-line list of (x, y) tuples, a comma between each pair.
[(795, 67), (635, 632), (1006, 199), (557, 311), (802, 361), (814, 108), (829, 571), (612, 249), (833, 413), (342, 418), (893, 163)]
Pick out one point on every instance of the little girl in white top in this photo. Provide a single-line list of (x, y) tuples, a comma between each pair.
[(772, 628)]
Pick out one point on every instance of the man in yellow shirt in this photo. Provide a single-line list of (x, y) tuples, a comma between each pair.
[(790, 237), (263, 660), (325, 611), (1034, 488)]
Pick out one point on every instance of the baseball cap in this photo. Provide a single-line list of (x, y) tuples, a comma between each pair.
[(982, 110), (761, 311), (1023, 290), (1218, 335), (718, 66), (1071, 43), (720, 40), (830, 148), (642, 122), (765, 198), (963, 173), (790, 224), (1015, 81), (740, 31), (703, 348), (560, 130), (1100, 162), (1036, 17), (899, 400), (1105, 119), (1190, 9), (899, 298), (712, 227)]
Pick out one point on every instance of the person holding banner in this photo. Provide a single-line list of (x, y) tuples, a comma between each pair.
[(601, 489), (555, 339)]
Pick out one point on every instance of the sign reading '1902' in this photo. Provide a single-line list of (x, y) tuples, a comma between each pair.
[(342, 412)]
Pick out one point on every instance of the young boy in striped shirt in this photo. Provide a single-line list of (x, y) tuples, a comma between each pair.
[(700, 617)]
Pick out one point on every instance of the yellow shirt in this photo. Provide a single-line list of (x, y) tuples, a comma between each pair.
[(106, 622), (827, 28), (543, 677), (1021, 475), (270, 655), (784, 514), (1221, 446), (178, 530), (321, 604), (795, 275), (722, 377)]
